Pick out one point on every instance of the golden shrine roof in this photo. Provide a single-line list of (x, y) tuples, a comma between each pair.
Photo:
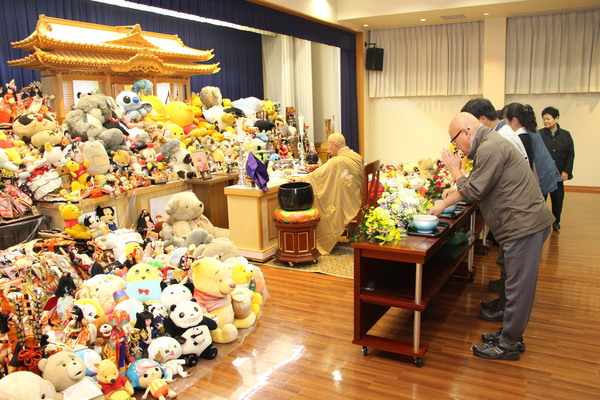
[(80, 45)]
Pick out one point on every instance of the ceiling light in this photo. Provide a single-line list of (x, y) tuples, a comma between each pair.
[(423, 19), (366, 25), (486, 14)]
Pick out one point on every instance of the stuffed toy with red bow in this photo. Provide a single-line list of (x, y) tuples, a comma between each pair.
[(143, 283)]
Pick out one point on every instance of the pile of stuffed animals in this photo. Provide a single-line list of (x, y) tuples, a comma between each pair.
[(107, 146), (104, 312)]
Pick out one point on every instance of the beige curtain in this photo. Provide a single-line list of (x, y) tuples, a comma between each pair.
[(553, 53), (288, 75), (435, 60)]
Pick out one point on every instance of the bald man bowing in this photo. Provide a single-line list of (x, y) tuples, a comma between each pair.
[(338, 187), (509, 196)]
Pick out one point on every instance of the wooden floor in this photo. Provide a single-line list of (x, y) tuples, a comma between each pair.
[(302, 347)]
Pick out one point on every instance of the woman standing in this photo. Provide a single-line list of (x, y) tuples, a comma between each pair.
[(560, 145), (521, 119)]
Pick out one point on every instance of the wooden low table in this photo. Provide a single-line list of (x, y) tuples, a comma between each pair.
[(406, 276)]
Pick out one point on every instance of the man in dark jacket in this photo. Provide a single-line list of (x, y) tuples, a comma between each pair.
[(560, 145), (509, 197)]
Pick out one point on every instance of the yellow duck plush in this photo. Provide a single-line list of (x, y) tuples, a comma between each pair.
[(70, 214)]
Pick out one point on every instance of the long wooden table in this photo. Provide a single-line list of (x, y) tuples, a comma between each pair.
[(406, 275)]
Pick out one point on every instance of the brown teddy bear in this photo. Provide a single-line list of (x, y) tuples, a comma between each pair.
[(66, 372), (185, 223)]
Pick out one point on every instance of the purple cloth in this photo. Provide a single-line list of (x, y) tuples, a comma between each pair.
[(257, 171)]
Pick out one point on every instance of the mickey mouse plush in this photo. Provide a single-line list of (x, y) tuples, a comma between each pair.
[(107, 215)]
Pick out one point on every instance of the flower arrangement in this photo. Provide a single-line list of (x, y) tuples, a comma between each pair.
[(388, 222), (440, 181)]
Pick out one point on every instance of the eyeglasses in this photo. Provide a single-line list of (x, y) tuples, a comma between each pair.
[(454, 138)]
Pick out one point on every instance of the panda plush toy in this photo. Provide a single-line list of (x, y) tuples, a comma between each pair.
[(187, 323)]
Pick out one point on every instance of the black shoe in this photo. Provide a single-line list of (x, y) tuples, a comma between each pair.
[(556, 226), (495, 352), (492, 315), (495, 286), (493, 338), (489, 304)]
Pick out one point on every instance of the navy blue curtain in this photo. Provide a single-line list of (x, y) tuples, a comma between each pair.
[(238, 52)]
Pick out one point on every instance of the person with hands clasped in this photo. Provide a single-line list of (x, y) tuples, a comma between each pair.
[(508, 195)]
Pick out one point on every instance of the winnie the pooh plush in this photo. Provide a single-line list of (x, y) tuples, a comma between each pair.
[(185, 221), (114, 385), (66, 372), (212, 286), (70, 214)]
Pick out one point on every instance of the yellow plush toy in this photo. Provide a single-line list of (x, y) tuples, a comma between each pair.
[(70, 214), (270, 110), (212, 288), (159, 111), (114, 385), (244, 299), (79, 171)]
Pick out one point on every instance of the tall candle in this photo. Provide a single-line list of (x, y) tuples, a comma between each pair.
[(300, 124)]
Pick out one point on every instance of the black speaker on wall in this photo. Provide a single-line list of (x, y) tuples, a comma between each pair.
[(374, 59)]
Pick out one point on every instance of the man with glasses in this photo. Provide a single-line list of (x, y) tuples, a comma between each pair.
[(508, 195)]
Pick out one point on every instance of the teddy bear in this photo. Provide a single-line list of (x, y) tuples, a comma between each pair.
[(37, 129), (210, 96), (114, 385), (212, 286), (222, 248), (185, 223), (178, 159), (66, 372), (426, 167), (25, 385), (189, 324), (70, 214), (147, 374)]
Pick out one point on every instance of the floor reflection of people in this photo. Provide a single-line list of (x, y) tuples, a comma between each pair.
[(338, 187)]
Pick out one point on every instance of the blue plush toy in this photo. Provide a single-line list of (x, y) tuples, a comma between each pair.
[(133, 106)]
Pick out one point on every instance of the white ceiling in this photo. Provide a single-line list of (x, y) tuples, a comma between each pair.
[(386, 14)]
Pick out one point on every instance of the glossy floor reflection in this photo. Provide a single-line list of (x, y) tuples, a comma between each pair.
[(302, 347)]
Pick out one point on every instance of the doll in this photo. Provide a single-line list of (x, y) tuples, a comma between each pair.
[(76, 331)]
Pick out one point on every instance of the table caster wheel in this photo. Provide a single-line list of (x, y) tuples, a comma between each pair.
[(291, 263), (315, 261), (471, 277), (418, 362), (365, 350)]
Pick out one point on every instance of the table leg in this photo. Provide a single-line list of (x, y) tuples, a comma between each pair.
[(417, 317), (472, 248)]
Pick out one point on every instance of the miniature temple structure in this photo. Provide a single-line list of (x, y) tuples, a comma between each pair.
[(66, 51)]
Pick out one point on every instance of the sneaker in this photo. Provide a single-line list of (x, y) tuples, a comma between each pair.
[(494, 338), (489, 304), (495, 352), (495, 286), (556, 226)]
